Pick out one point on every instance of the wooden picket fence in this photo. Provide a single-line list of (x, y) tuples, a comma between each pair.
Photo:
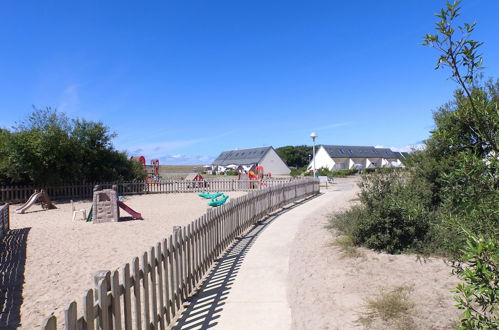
[(149, 292), (20, 194), (4, 220)]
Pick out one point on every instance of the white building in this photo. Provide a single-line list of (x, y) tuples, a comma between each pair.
[(248, 159), (336, 158)]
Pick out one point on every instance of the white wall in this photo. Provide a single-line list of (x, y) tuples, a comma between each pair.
[(389, 162), (272, 163), (361, 161), (322, 159), (374, 162), (341, 164)]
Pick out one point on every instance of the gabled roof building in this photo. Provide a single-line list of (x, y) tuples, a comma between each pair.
[(248, 159), (336, 158)]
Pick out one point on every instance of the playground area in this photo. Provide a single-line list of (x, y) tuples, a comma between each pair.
[(62, 254)]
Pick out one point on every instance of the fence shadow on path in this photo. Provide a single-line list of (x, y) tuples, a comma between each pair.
[(206, 305), (12, 264)]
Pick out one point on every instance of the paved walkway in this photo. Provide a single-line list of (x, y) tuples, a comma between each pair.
[(252, 294)]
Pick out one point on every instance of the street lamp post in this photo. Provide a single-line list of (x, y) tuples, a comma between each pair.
[(313, 135)]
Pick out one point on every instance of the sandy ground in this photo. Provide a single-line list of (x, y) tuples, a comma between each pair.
[(62, 255), (328, 289)]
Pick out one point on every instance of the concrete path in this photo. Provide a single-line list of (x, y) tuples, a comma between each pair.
[(252, 294)]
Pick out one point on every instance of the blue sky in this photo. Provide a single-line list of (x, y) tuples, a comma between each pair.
[(185, 80)]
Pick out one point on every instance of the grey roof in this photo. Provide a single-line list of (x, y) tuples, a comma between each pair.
[(358, 152), (241, 157), (387, 153)]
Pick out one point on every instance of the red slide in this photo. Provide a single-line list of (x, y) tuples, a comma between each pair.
[(135, 215)]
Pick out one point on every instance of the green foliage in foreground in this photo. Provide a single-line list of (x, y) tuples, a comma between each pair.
[(478, 295), (48, 148)]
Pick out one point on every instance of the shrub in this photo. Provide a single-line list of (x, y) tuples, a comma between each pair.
[(392, 217), (231, 172), (344, 173), (478, 296), (295, 172), (337, 174)]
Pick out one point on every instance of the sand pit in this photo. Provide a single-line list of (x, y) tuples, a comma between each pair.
[(62, 255), (328, 289)]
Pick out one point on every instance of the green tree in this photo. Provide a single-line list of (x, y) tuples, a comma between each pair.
[(48, 148), (295, 156)]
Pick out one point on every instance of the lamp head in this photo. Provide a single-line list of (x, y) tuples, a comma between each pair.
[(313, 135)]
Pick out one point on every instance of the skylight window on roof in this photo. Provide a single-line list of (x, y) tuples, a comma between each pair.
[(341, 150), (261, 152), (350, 150)]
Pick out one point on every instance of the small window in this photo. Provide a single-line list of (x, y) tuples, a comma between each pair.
[(242, 153), (350, 150), (261, 152), (341, 150)]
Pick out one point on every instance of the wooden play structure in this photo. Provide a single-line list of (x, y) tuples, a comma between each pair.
[(155, 167), (38, 196), (105, 207), (152, 171), (197, 180), (252, 178)]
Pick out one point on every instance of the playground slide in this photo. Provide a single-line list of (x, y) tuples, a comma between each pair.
[(90, 214), (32, 200), (135, 215)]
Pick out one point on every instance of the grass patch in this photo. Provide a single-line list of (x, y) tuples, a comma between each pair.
[(391, 306), (347, 247)]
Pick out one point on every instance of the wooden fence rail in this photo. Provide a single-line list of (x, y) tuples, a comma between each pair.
[(20, 194), (4, 220), (149, 292)]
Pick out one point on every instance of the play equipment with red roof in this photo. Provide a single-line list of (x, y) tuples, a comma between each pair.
[(153, 173)]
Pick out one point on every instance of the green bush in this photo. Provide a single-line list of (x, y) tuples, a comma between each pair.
[(337, 174), (392, 216), (231, 172), (295, 172), (344, 173), (478, 296), (380, 170)]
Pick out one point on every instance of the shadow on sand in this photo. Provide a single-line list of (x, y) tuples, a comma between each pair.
[(12, 262), (205, 306)]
